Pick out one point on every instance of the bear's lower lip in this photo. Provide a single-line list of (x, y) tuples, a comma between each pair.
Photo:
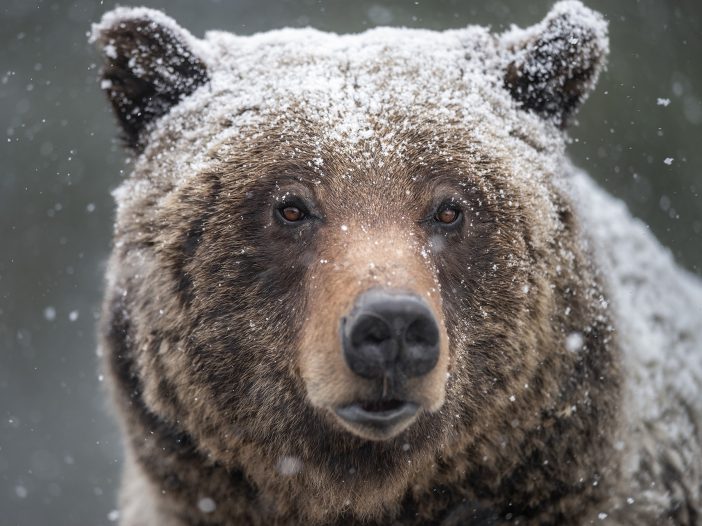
[(379, 418)]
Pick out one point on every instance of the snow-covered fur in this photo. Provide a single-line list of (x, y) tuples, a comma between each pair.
[(568, 388), (657, 311)]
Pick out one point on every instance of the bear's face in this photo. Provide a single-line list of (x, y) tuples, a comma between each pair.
[(294, 254), (337, 245)]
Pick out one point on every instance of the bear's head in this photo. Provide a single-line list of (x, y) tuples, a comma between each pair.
[(345, 261)]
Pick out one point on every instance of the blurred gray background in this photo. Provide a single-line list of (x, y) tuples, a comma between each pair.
[(59, 160)]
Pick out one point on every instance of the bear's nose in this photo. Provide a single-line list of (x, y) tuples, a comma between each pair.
[(390, 332)]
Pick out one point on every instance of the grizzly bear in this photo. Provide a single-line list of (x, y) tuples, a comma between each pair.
[(356, 280)]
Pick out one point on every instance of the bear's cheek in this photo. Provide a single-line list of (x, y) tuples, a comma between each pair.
[(349, 266), (493, 292)]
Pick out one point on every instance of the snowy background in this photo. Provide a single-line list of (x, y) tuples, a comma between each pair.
[(640, 135)]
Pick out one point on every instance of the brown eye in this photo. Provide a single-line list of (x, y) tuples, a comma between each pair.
[(447, 216), (292, 214)]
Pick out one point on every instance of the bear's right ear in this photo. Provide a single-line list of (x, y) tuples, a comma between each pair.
[(149, 66)]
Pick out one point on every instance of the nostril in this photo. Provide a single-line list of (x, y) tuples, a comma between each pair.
[(420, 352), (369, 346), (370, 330), (422, 331)]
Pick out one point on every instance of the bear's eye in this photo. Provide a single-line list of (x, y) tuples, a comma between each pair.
[(447, 215), (291, 213), (292, 210)]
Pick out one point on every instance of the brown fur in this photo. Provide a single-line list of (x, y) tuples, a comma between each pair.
[(220, 328), (183, 403)]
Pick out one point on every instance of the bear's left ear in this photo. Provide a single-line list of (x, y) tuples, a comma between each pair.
[(552, 66), (149, 66)]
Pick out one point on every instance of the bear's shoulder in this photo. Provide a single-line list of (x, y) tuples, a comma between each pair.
[(656, 309)]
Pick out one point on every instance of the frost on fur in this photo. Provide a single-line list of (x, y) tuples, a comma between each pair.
[(149, 67)]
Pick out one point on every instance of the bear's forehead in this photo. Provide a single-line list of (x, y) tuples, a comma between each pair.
[(353, 83), (371, 98), (348, 89)]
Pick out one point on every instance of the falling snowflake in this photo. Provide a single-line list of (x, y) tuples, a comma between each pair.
[(206, 505), (574, 342)]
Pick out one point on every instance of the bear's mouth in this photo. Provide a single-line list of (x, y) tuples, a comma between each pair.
[(377, 419)]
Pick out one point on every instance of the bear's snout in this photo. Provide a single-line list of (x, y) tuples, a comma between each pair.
[(390, 335), (376, 357), (390, 339)]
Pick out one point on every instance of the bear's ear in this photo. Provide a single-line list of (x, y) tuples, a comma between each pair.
[(149, 66), (553, 66)]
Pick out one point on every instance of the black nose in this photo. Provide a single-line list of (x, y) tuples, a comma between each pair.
[(388, 332)]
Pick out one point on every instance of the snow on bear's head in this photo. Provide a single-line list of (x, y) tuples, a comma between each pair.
[(354, 87)]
